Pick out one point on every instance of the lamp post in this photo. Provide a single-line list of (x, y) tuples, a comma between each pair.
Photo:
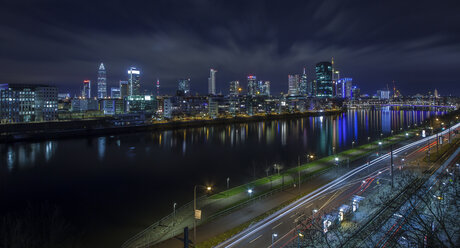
[(195, 215), (352, 144), (299, 235), (174, 210), (274, 235), (228, 182)]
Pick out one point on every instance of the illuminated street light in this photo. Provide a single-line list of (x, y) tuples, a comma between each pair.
[(274, 235)]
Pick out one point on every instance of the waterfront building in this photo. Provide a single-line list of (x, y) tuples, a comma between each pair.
[(348, 84), (303, 86), (324, 79), (212, 82), (183, 88), (234, 89), (355, 93), (383, 94), (86, 91), (124, 89), (101, 82), (340, 89), (252, 85), (134, 81), (25, 103), (293, 83), (115, 92), (46, 103)]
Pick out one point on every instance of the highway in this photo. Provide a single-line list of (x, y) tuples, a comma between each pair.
[(281, 227)]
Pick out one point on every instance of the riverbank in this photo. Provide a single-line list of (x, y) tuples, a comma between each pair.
[(103, 126)]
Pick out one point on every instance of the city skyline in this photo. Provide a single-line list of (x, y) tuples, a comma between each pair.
[(412, 44)]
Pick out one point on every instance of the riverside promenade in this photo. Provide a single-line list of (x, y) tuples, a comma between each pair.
[(249, 202)]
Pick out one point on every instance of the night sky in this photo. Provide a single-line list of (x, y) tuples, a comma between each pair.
[(415, 43)]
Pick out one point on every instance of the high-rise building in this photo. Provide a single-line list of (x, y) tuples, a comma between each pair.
[(124, 89), (294, 82), (355, 92), (86, 92), (266, 89), (303, 87), (234, 89), (348, 84), (134, 81), (436, 95), (311, 88), (183, 88), (115, 93), (324, 79), (252, 85), (101, 82), (212, 82), (340, 89)]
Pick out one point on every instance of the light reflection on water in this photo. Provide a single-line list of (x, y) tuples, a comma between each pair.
[(319, 135)]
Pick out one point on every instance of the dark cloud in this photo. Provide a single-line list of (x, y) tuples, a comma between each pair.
[(375, 42)]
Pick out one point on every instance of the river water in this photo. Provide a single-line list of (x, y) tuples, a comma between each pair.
[(110, 187)]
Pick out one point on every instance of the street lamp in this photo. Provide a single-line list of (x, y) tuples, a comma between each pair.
[(196, 213), (352, 144), (228, 182), (274, 235), (250, 192), (174, 210)]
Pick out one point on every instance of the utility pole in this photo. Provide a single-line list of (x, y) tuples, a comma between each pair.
[(391, 165)]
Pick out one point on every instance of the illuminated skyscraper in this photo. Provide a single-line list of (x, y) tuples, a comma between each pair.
[(252, 85), (234, 89), (86, 92), (101, 82), (212, 82), (294, 82), (183, 88), (134, 81), (124, 89), (115, 93), (348, 84), (266, 88), (324, 79), (303, 87)]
